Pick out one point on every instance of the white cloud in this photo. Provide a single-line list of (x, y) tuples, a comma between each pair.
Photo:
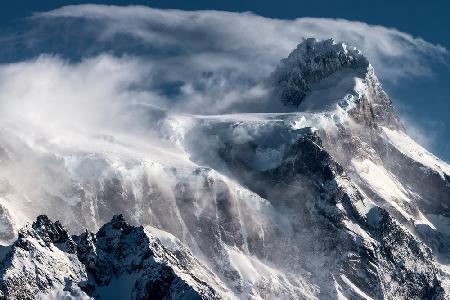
[(189, 61), (211, 61), (225, 38), (48, 90)]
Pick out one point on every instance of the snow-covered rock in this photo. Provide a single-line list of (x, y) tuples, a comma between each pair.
[(323, 75), (330, 201), (312, 62), (119, 261)]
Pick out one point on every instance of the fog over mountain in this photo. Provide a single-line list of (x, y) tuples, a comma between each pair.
[(166, 154)]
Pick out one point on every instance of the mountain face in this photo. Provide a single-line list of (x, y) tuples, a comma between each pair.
[(331, 201)]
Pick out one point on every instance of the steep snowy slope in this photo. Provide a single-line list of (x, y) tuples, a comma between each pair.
[(330, 201)]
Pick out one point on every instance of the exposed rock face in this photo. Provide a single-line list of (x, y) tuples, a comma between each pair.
[(311, 62), (47, 259), (314, 61), (383, 263)]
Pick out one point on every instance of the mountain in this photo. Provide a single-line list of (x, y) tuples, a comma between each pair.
[(118, 261), (332, 200)]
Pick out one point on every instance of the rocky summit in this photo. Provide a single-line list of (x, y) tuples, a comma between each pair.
[(330, 200)]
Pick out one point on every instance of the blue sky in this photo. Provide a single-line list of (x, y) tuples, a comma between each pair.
[(423, 101)]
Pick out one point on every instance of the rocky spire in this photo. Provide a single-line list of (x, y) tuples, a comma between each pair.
[(309, 63), (313, 61)]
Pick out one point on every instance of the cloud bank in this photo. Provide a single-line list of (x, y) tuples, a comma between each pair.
[(202, 62), (217, 38)]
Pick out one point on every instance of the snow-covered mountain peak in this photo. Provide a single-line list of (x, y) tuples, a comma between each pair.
[(326, 76), (312, 53), (46, 230), (311, 62)]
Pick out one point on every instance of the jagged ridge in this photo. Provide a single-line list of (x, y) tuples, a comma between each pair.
[(46, 259)]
